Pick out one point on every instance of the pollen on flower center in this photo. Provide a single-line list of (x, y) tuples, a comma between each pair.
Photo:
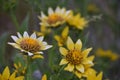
[(53, 18), (74, 57), (30, 45)]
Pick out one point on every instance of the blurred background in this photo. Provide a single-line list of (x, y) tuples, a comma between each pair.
[(103, 30)]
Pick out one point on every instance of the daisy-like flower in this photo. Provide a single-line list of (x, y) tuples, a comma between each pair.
[(63, 38), (30, 45), (54, 18), (6, 75), (77, 21), (75, 59), (93, 76)]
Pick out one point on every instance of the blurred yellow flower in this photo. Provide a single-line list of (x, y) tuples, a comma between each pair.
[(76, 59), (54, 18), (6, 75), (77, 21), (63, 38), (20, 69), (93, 76), (43, 31), (30, 45), (107, 53), (92, 8), (44, 77)]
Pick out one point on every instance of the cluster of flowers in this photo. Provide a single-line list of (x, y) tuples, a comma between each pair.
[(75, 59)]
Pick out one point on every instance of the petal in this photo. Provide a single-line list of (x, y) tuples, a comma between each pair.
[(41, 38), (69, 67), (14, 45), (19, 78), (47, 47), (78, 74), (65, 32), (25, 34), (78, 45), (6, 73), (12, 77), (50, 11), (63, 61), (57, 10), (43, 15), (99, 76), (70, 44), (44, 77), (33, 36), (80, 68), (37, 56), (19, 35), (91, 58), (30, 54), (86, 61), (14, 38), (86, 52), (63, 51), (57, 38)]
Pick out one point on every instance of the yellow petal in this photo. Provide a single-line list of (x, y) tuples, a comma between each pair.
[(6, 73), (44, 77), (78, 45), (37, 56), (86, 61), (12, 77), (63, 61), (0, 77), (63, 51), (91, 58), (80, 68), (65, 32), (15, 65), (70, 44), (99, 76), (89, 72), (78, 74), (19, 78), (69, 67), (57, 38), (86, 52)]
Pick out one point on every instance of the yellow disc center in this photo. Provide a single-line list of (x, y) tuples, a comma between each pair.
[(74, 57), (53, 18), (30, 45)]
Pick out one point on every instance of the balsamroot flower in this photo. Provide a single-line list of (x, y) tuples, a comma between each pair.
[(54, 18), (63, 38), (30, 45), (77, 21), (6, 75), (76, 59)]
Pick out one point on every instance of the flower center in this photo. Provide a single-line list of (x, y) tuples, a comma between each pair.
[(74, 57), (53, 18), (30, 45)]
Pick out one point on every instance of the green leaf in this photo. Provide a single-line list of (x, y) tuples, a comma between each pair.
[(3, 40)]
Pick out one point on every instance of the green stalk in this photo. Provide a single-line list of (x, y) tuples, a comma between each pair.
[(28, 75)]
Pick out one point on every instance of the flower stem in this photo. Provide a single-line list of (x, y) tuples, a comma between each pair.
[(28, 75)]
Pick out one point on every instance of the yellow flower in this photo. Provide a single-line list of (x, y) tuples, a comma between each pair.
[(108, 53), (77, 21), (30, 45), (6, 75), (62, 39), (20, 69), (44, 77), (93, 76), (76, 59), (43, 31), (54, 18)]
